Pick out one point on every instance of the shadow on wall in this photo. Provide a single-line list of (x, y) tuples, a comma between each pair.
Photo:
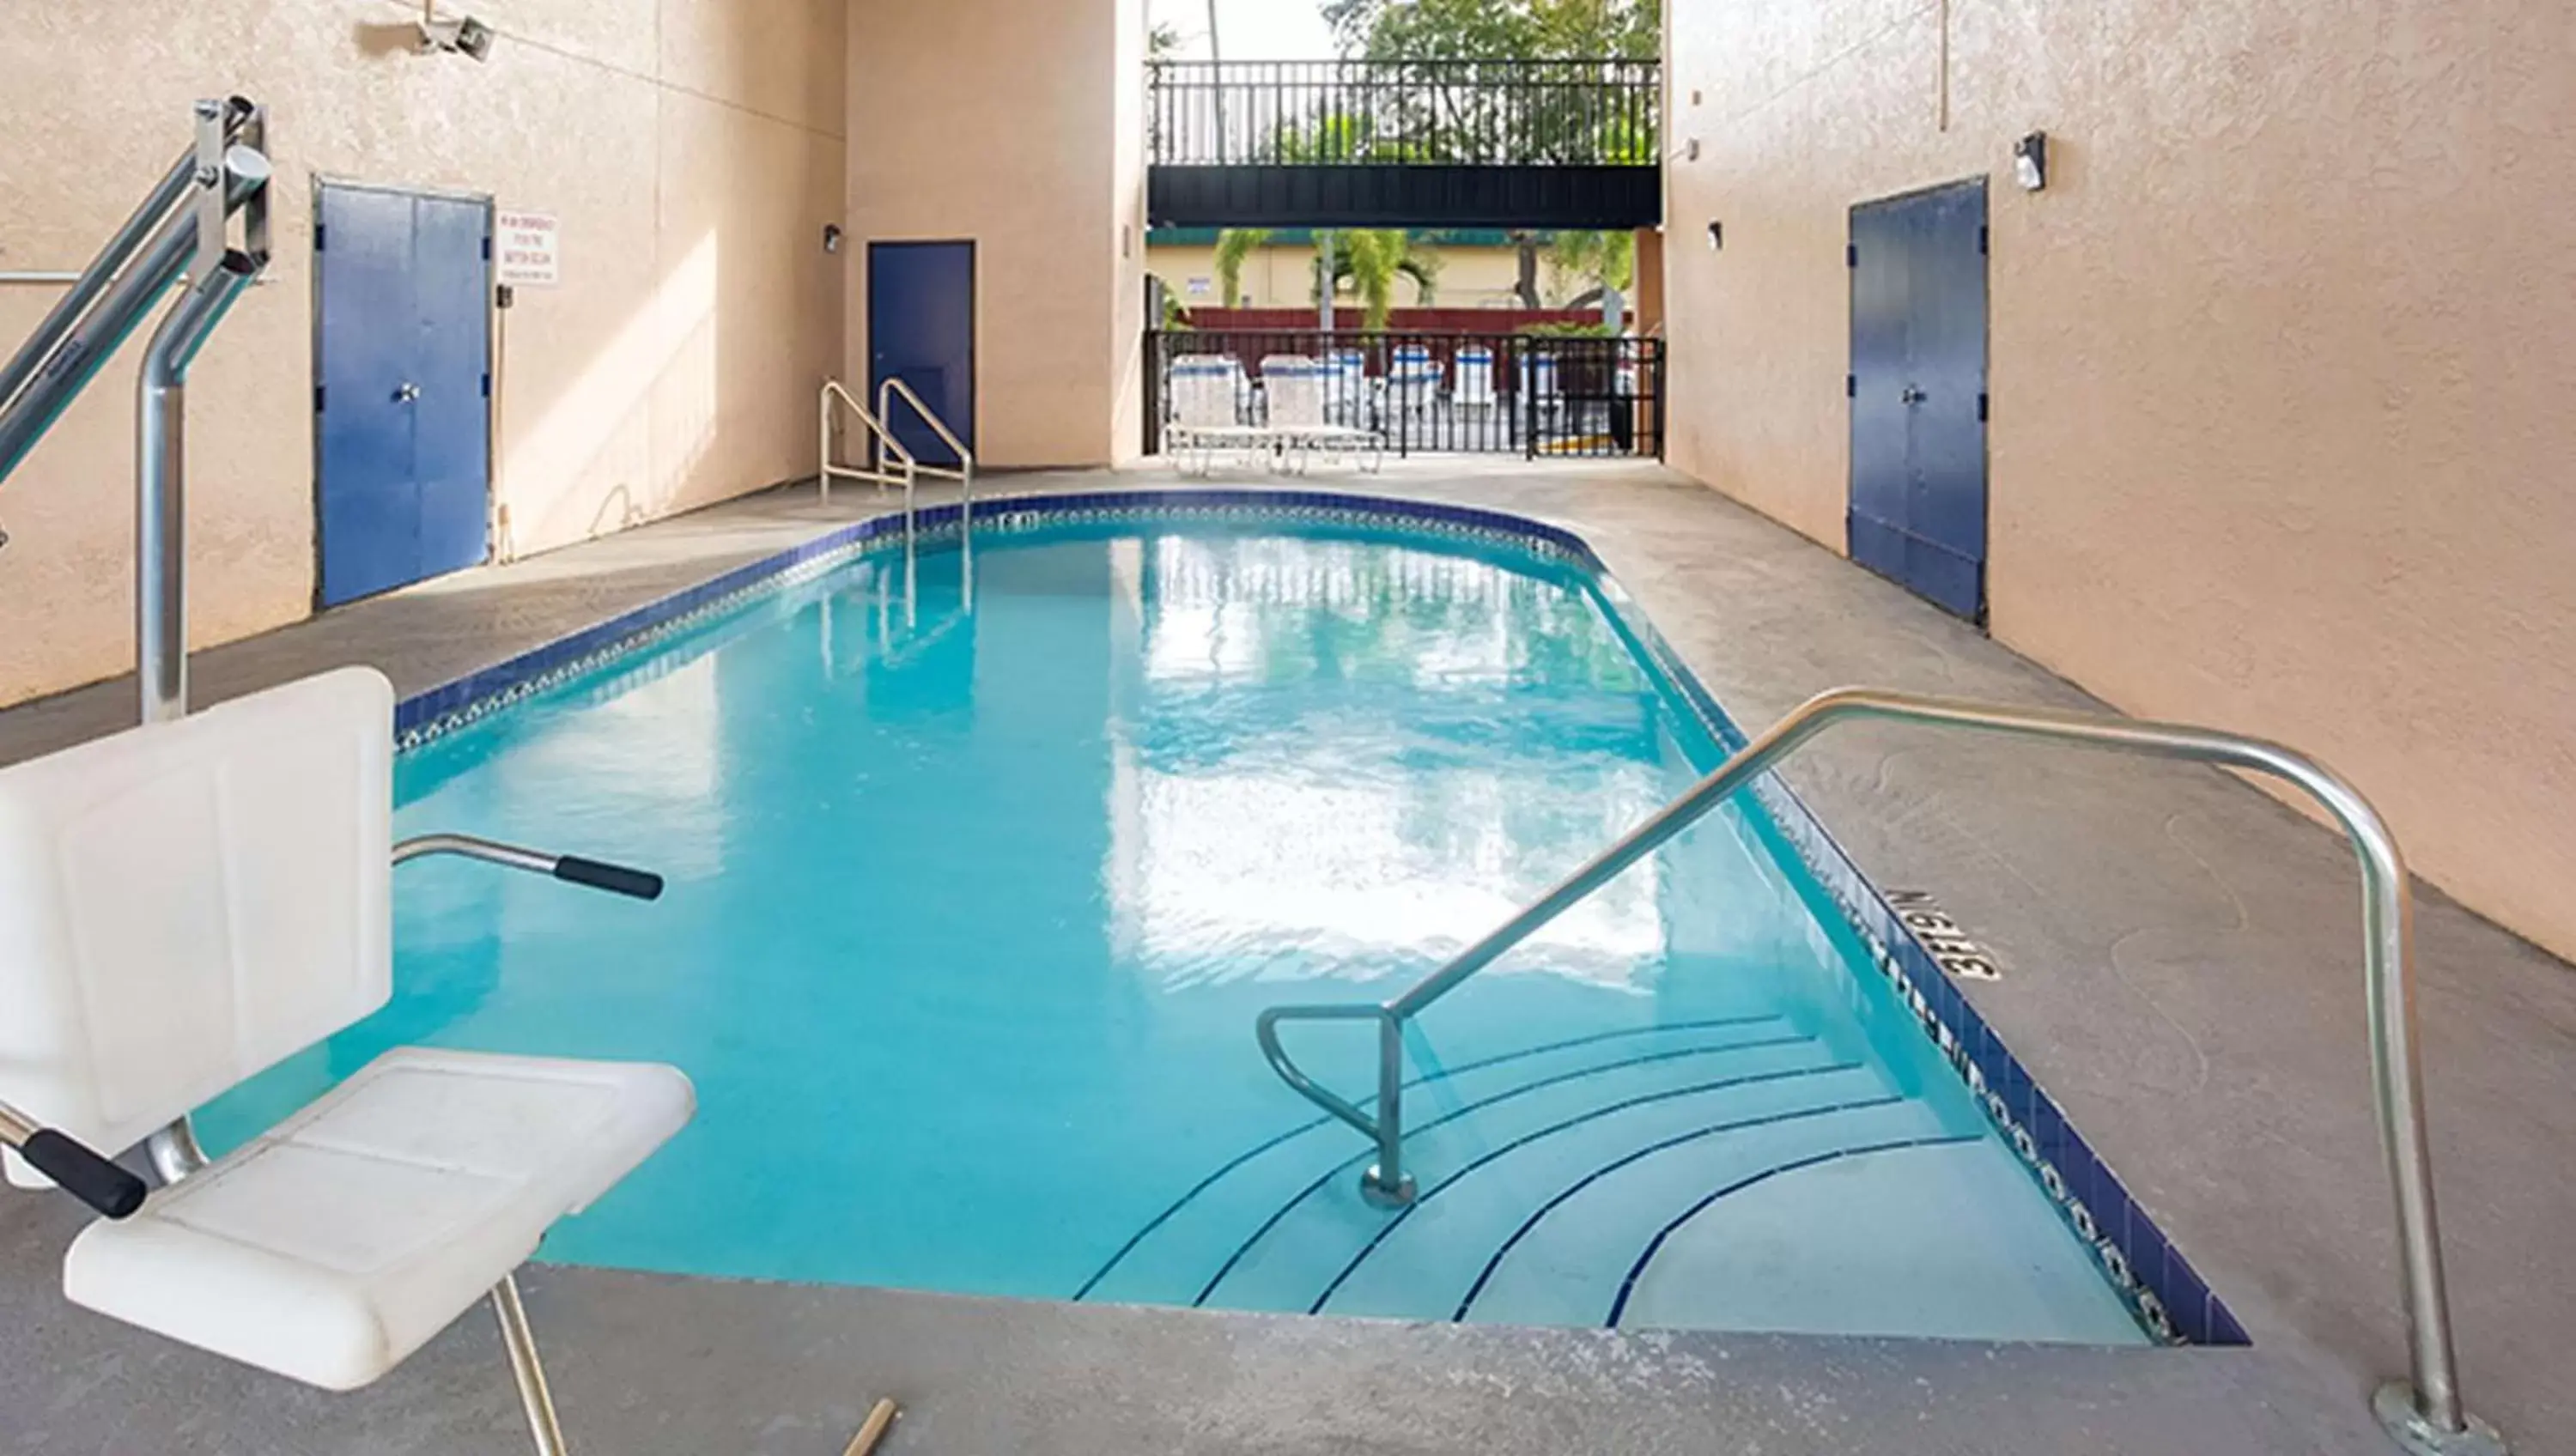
[(662, 357), (378, 38)]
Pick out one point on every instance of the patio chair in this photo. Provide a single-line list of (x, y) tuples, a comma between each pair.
[(1413, 378), (1206, 416), (1346, 388), (1472, 400), (1296, 385), (186, 904)]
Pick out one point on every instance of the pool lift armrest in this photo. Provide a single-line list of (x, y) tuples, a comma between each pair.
[(74, 1166), (570, 868)]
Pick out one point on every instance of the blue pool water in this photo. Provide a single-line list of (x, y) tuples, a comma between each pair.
[(971, 911)]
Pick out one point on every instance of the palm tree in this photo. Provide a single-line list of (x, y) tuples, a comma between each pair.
[(1233, 246), (1372, 259)]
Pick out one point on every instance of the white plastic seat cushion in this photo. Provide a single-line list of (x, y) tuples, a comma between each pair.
[(337, 1244)]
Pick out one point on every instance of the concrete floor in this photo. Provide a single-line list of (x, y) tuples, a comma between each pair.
[(2182, 971)]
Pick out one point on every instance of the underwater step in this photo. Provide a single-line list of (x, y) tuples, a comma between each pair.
[(1173, 1258), (1475, 1190)]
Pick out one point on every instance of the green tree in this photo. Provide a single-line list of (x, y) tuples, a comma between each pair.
[(1601, 260), (1233, 247), (1371, 260), (1497, 30), (1510, 30)]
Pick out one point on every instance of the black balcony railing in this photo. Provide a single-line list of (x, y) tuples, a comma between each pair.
[(1516, 394), (1596, 113)]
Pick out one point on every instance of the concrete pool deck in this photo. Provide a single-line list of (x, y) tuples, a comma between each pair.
[(2182, 972)]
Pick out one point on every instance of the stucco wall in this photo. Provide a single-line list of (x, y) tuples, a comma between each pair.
[(1018, 124), (692, 149), (2280, 434)]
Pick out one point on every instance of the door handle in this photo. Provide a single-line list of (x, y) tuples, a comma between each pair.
[(406, 392), (1913, 395)]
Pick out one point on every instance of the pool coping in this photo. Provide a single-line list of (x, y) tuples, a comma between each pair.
[(2159, 1284)]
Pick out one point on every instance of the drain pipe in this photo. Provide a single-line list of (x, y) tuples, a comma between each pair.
[(160, 485)]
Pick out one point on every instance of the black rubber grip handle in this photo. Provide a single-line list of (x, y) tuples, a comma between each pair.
[(84, 1174), (615, 879)]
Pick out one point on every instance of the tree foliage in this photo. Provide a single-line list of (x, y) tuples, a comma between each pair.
[(1498, 30), (1371, 260), (1581, 265), (1233, 246)]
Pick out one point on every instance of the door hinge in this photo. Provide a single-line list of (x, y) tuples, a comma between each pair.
[(487, 384), (1851, 386), (321, 234), (1851, 255), (319, 392), (1981, 409), (487, 247), (1981, 242)]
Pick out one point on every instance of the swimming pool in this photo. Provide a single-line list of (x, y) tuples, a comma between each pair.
[(980, 874)]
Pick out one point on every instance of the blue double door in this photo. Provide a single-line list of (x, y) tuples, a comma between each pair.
[(1918, 393), (921, 330), (402, 397)]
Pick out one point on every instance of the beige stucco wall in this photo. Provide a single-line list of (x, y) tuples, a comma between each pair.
[(2280, 436), (1017, 124), (692, 149)]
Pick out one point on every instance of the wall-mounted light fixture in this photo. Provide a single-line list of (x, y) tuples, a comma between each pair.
[(831, 237), (1716, 235), (2030, 161), (465, 36)]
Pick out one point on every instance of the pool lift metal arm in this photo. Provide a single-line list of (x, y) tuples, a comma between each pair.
[(181, 230)]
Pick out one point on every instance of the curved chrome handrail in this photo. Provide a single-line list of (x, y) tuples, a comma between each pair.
[(2425, 1415)]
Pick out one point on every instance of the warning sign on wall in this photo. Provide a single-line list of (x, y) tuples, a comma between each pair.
[(527, 249)]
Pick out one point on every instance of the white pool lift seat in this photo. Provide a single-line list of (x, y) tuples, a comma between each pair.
[(185, 905), (1296, 386)]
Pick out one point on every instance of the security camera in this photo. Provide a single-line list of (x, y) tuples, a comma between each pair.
[(466, 37)]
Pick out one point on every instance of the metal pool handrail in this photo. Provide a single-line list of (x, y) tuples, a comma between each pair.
[(907, 472), (894, 387), (2425, 1415)]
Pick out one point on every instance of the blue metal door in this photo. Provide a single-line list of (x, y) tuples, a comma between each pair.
[(921, 329), (402, 407), (1918, 393)]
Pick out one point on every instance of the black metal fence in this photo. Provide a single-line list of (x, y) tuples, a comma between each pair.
[(1479, 113), (1534, 395)]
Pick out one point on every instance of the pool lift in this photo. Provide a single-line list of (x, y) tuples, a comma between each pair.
[(233, 870)]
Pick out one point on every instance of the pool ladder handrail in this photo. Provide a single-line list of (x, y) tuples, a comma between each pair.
[(905, 471), (2424, 1415), (963, 473)]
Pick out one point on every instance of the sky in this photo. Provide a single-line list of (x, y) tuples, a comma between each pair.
[(1252, 30)]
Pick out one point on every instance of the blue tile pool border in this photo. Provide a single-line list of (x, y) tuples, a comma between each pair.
[(2168, 1296)]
